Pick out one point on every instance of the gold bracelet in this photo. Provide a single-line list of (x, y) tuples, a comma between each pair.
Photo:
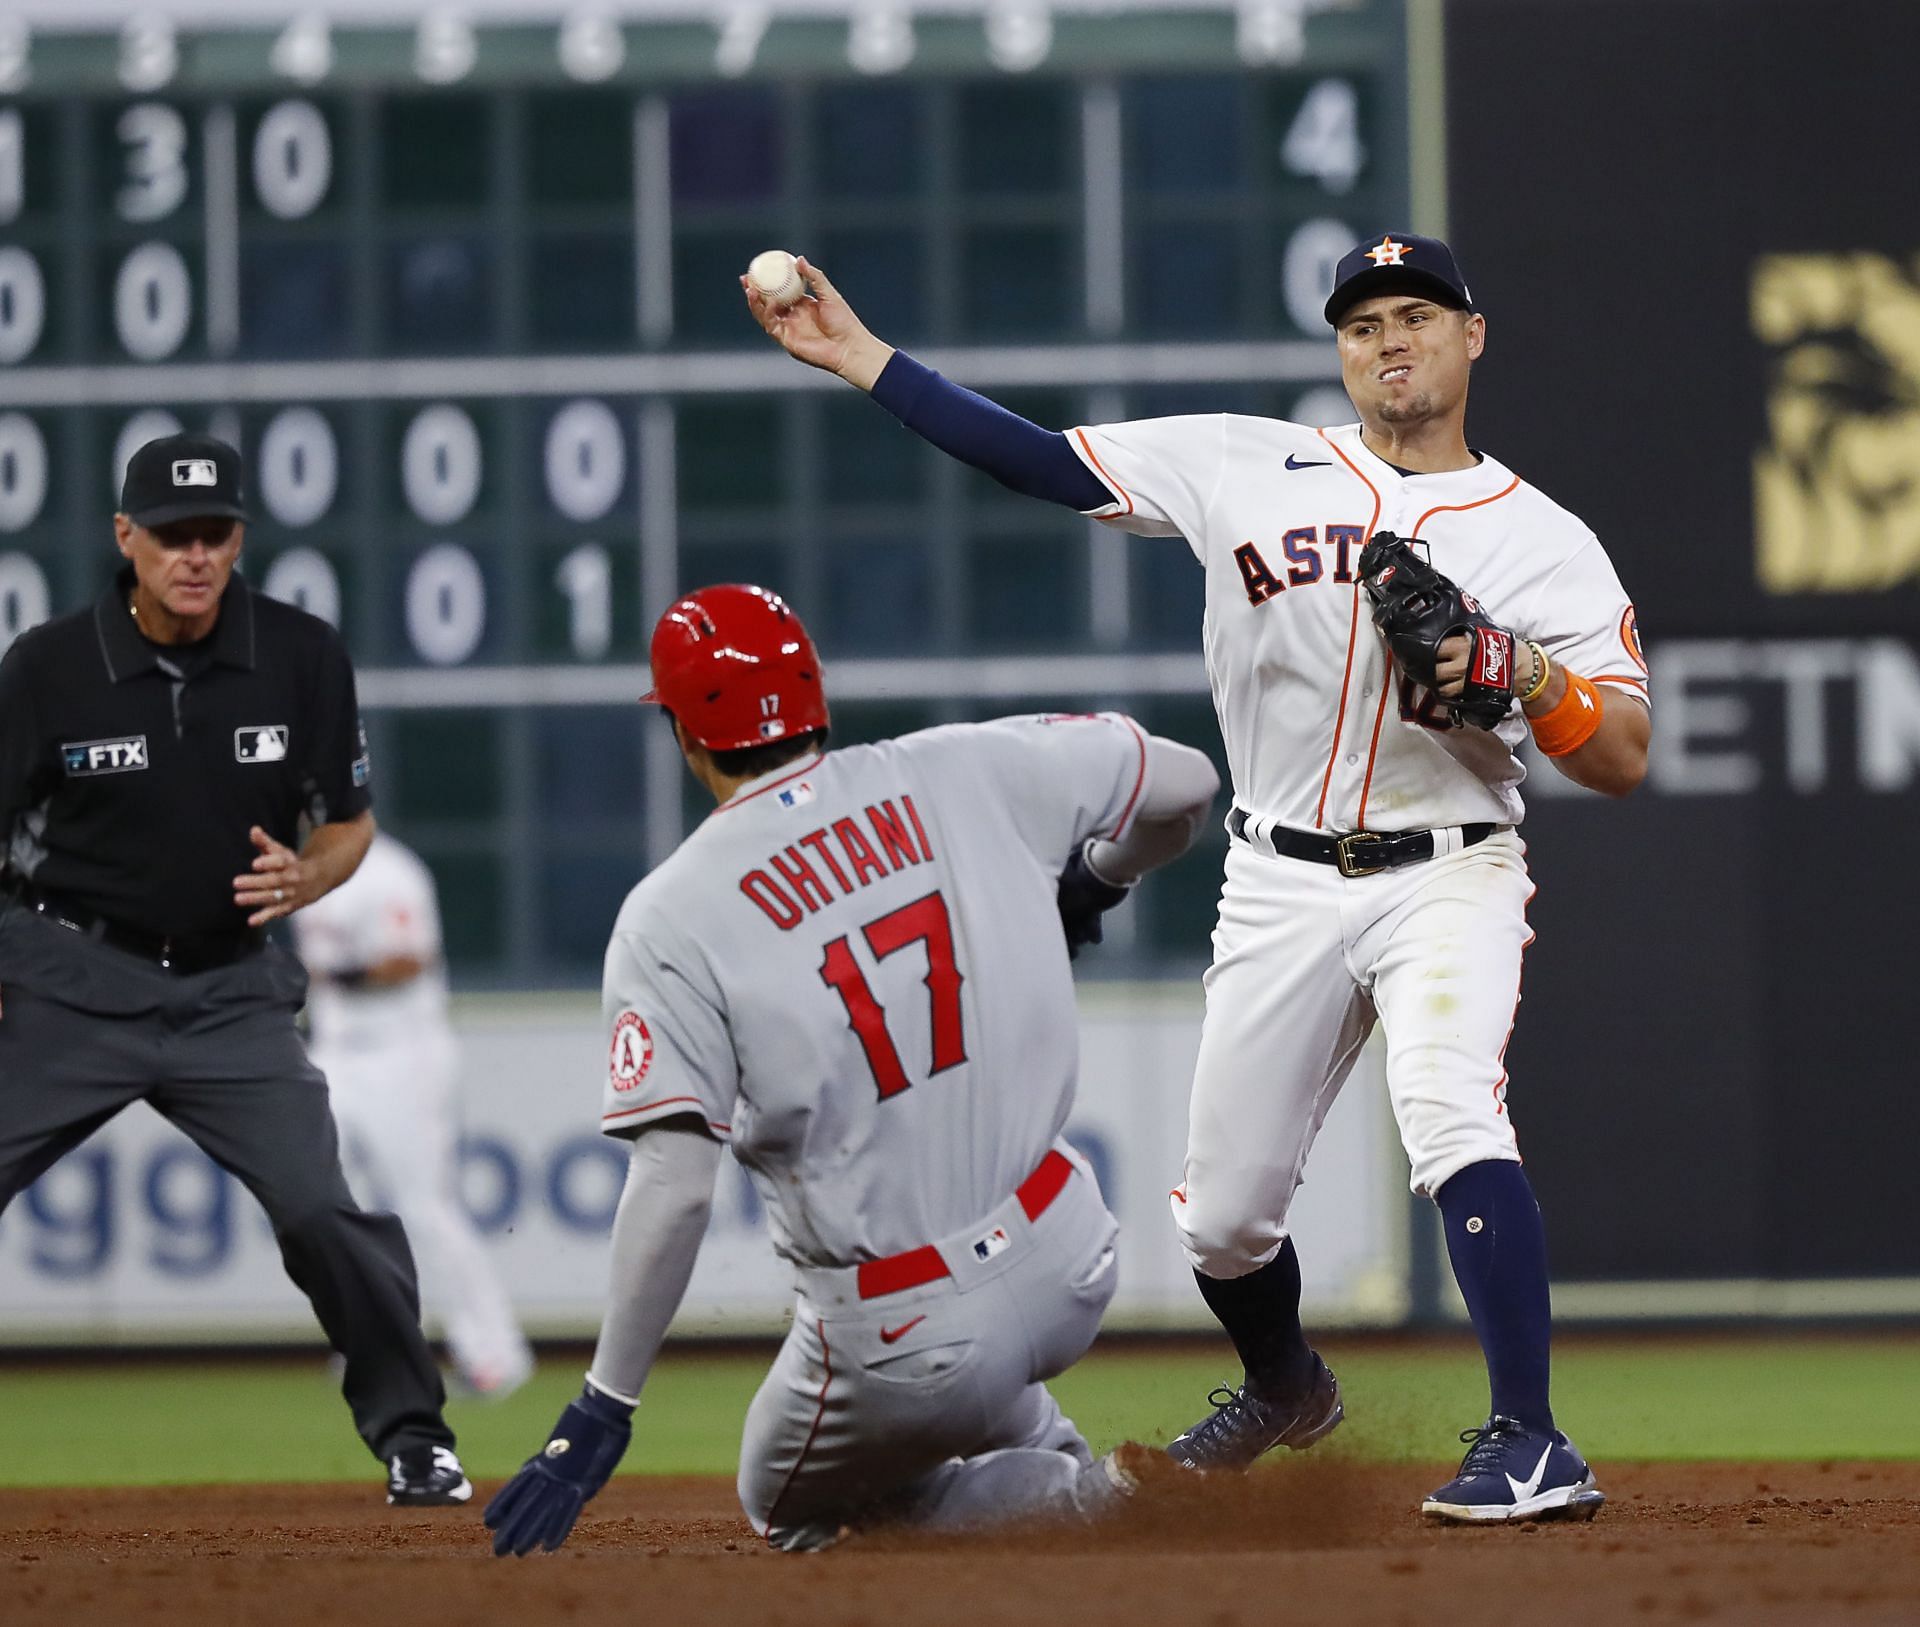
[(1542, 672)]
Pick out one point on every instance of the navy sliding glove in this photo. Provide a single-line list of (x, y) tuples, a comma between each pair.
[(537, 1507), (1083, 899)]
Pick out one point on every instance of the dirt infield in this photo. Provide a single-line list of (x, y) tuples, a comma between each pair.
[(1307, 1541)]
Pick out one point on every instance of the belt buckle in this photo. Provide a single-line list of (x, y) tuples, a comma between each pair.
[(1343, 853)]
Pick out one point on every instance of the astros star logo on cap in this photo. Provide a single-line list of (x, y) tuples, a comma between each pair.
[(1387, 252)]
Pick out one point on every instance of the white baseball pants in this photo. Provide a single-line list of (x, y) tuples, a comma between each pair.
[(395, 1108), (1305, 960)]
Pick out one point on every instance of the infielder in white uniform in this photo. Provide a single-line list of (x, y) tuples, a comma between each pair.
[(1375, 874), (378, 1009), (855, 975)]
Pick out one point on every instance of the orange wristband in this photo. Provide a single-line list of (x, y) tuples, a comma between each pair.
[(1571, 723)]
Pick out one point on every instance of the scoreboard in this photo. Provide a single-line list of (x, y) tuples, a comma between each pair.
[(463, 289)]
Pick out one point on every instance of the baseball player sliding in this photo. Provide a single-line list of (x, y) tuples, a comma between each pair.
[(381, 1036), (1389, 615), (855, 974)]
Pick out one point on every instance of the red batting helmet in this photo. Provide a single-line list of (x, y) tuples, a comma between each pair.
[(735, 666)]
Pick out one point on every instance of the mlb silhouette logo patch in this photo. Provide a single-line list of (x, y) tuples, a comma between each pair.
[(995, 1242), (83, 759), (264, 743), (796, 796), (195, 472), (632, 1052)]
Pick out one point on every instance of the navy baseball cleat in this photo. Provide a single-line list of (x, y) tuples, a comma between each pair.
[(1511, 1472), (1245, 1424), (427, 1477)]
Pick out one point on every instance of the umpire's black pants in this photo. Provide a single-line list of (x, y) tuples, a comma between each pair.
[(85, 1030)]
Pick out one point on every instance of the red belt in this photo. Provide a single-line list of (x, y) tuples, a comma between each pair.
[(899, 1272)]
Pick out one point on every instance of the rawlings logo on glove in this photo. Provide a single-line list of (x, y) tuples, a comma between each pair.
[(1418, 608)]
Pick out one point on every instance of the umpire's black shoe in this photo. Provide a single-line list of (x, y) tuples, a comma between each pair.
[(1245, 1423), (427, 1477)]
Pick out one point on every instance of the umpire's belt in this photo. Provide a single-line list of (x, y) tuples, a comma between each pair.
[(189, 952), (1360, 852), (919, 1266)]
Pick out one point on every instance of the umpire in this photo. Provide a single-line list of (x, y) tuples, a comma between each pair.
[(183, 729)]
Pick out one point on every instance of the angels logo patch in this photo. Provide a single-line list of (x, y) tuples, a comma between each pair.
[(632, 1051)]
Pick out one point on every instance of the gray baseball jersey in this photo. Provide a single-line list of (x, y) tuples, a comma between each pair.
[(854, 972)]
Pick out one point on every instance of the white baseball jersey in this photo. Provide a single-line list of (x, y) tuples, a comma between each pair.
[(392, 1067), (1321, 732), (386, 908), (854, 972)]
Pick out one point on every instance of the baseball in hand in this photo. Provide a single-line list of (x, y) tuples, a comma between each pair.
[(774, 274)]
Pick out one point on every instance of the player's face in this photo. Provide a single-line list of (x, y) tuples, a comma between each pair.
[(1405, 360), (184, 566)]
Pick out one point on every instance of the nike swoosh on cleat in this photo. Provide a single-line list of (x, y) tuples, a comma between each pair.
[(1523, 1489), (1306, 463), (889, 1335)]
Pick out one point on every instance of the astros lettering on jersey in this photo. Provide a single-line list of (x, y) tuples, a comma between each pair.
[(1320, 732)]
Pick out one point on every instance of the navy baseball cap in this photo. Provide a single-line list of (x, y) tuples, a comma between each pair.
[(182, 477), (1398, 260)]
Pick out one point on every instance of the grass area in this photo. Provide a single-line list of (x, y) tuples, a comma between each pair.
[(160, 1421)]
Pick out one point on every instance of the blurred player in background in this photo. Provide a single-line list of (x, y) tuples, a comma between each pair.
[(855, 974), (380, 1034)]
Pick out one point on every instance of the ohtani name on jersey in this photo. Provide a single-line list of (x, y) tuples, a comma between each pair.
[(1306, 564), (898, 840)]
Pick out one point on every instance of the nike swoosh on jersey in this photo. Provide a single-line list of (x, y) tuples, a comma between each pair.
[(1306, 463), (889, 1335), (1521, 1489)]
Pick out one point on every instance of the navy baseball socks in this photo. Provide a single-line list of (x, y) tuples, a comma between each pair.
[(1517, 1466), (1290, 1396)]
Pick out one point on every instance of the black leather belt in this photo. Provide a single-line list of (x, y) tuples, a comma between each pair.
[(1358, 853), (188, 952)]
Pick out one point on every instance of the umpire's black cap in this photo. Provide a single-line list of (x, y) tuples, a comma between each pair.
[(182, 477), (1398, 260)]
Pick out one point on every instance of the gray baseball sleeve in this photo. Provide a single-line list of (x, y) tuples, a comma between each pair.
[(656, 1238), (1181, 784)]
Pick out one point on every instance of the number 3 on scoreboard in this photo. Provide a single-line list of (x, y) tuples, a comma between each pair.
[(925, 920)]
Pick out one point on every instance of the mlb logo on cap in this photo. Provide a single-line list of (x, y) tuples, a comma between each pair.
[(183, 477)]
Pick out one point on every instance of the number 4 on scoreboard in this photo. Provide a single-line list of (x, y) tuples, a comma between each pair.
[(925, 920)]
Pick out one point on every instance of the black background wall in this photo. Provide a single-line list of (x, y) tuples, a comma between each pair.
[(1713, 1072)]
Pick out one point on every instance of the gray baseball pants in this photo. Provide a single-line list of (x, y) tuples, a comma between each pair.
[(86, 1029), (930, 1406)]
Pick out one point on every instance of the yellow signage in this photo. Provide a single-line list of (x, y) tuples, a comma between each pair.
[(1836, 491)]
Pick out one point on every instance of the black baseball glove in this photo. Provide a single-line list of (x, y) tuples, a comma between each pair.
[(1083, 899), (1417, 607)]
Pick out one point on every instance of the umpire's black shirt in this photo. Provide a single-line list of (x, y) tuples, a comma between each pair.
[(130, 772)]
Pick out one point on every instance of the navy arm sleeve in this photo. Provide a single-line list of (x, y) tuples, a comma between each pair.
[(1020, 455)]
